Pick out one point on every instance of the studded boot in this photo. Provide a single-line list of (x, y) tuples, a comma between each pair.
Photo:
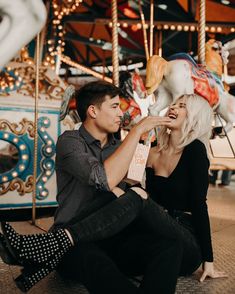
[(35, 249), (31, 275)]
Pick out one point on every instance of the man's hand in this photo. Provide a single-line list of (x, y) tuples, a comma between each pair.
[(209, 271), (116, 165), (150, 122)]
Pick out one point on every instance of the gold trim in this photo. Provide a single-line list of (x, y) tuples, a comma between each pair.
[(49, 86), (19, 185), (69, 123), (21, 128)]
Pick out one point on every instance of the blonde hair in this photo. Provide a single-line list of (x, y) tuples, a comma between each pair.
[(197, 125)]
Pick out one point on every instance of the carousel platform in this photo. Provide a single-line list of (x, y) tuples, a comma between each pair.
[(221, 201)]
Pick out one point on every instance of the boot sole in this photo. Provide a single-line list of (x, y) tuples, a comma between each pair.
[(5, 254), (8, 247)]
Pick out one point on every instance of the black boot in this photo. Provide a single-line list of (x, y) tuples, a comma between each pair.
[(31, 275), (35, 249), (6, 254)]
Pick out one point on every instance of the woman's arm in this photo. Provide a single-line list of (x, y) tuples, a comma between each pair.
[(198, 177), (211, 272), (199, 186)]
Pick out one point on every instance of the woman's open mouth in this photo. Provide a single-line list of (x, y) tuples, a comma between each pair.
[(172, 115)]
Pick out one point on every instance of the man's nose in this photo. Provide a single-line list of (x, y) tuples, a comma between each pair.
[(120, 113)]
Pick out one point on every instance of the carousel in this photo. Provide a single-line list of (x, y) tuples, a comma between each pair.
[(77, 41), (50, 48)]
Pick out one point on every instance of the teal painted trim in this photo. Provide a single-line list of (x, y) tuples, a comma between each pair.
[(59, 126), (22, 205), (29, 110)]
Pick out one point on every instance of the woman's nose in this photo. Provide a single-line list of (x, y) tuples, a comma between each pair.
[(174, 106)]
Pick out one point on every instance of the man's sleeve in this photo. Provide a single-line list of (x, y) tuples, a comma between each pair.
[(72, 157)]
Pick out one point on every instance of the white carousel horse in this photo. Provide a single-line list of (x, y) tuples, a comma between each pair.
[(21, 20), (169, 80)]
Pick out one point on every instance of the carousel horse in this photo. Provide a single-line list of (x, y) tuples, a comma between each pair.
[(132, 90), (169, 80), (20, 21)]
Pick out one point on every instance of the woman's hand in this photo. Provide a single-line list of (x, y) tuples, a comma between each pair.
[(209, 271)]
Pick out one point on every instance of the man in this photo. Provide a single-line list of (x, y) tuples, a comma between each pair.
[(90, 160)]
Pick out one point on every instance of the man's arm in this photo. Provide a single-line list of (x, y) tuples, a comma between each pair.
[(116, 165)]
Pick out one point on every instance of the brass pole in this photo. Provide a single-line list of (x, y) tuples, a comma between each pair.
[(151, 28), (44, 32), (202, 32), (115, 61), (85, 69), (144, 31), (34, 194), (160, 44)]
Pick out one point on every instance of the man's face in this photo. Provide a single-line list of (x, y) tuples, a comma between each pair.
[(109, 115)]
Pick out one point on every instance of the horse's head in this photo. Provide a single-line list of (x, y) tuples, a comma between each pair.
[(138, 86), (216, 56), (68, 103), (131, 110), (155, 70)]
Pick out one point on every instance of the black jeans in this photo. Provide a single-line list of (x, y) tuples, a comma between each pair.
[(170, 244), (105, 267)]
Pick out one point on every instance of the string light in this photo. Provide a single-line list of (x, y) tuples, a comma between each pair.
[(9, 80), (135, 26), (193, 27), (56, 43)]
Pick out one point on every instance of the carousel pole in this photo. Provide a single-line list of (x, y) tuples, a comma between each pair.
[(115, 61), (43, 32), (151, 28), (35, 131), (144, 31), (160, 43), (202, 32)]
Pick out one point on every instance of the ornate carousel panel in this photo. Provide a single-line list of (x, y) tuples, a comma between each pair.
[(17, 132)]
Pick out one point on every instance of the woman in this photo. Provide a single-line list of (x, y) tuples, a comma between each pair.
[(177, 178), (191, 120)]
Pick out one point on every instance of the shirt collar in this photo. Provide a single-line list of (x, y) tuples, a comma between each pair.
[(90, 139)]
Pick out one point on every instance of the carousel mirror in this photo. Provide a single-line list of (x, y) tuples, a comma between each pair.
[(9, 156)]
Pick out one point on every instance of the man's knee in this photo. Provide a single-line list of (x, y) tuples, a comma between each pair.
[(141, 192), (118, 192)]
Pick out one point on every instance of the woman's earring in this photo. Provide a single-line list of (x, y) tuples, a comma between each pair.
[(168, 131)]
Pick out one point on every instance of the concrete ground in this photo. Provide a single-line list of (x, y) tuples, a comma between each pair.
[(221, 202)]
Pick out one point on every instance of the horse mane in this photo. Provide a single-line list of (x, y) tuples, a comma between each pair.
[(213, 58), (156, 66)]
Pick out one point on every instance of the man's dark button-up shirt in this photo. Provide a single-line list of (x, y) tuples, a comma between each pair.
[(79, 171)]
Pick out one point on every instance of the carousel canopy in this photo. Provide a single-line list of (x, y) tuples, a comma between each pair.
[(86, 32)]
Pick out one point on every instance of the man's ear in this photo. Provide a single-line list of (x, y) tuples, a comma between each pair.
[(92, 111)]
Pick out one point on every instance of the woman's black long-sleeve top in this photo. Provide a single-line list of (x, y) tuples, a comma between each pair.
[(186, 190)]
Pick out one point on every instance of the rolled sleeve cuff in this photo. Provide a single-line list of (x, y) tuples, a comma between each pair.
[(98, 176)]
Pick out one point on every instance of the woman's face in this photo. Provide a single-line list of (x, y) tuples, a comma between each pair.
[(177, 112)]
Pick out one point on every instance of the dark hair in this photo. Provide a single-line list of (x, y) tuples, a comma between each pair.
[(93, 93)]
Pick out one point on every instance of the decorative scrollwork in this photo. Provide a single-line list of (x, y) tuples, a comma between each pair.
[(50, 87), (19, 185), (69, 124), (21, 128)]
